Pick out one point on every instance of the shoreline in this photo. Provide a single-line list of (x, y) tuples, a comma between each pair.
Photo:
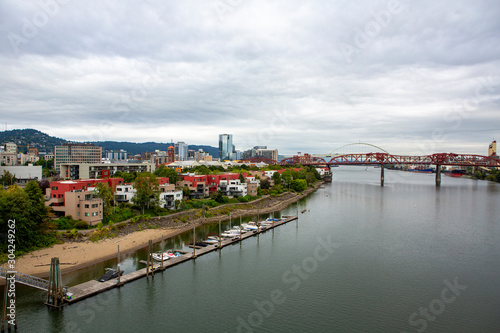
[(37, 263)]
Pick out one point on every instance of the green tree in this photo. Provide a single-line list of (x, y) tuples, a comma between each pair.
[(103, 191), (298, 185), (186, 192), (164, 171), (202, 170), (277, 178), (241, 178), (286, 176), (7, 178), (27, 208), (147, 191), (127, 177), (219, 197), (38, 210), (265, 184)]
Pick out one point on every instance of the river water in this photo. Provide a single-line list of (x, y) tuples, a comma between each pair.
[(406, 257)]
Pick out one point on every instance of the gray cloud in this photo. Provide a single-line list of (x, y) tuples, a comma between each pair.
[(296, 76)]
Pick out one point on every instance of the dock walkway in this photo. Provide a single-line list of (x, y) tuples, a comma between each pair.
[(93, 287)]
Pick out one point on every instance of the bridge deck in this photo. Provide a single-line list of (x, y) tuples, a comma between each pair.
[(28, 280)]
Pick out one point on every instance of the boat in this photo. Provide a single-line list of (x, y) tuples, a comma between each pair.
[(110, 274), (456, 173), (158, 256), (211, 240), (422, 170), (272, 220), (250, 226), (199, 244), (171, 254)]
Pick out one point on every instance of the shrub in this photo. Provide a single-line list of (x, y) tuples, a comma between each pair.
[(243, 199), (81, 225)]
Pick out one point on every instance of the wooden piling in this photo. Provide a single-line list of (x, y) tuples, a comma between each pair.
[(194, 242), (220, 236), (151, 259), (55, 290), (147, 262), (118, 265)]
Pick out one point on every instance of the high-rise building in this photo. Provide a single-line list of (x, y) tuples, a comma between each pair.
[(492, 149), (226, 147), (76, 153), (268, 153), (10, 147), (181, 150), (119, 155)]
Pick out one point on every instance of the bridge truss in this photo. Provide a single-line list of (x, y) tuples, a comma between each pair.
[(385, 158)]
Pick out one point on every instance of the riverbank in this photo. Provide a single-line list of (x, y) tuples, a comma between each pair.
[(74, 255)]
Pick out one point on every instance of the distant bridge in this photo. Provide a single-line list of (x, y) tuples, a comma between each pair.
[(382, 159), (385, 158)]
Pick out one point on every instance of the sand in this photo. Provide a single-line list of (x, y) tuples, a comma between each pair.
[(75, 255)]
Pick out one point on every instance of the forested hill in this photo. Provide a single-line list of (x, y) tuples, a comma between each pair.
[(22, 137)]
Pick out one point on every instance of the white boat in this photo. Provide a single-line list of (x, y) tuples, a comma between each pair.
[(250, 226), (160, 256), (171, 254), (211, 240)]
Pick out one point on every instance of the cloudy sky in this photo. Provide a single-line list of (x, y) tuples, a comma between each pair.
[(410, 76)]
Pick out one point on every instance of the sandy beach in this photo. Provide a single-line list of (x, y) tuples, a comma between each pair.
[(75, 255)]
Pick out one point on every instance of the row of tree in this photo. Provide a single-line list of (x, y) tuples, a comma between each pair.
[(33, 228), (493, 175)]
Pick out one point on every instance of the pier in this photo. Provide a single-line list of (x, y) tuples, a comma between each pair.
[(93, 287)]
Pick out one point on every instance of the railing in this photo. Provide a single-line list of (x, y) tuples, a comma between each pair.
[(29, 280)]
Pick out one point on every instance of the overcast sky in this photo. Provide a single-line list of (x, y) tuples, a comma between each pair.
[(410, 76)]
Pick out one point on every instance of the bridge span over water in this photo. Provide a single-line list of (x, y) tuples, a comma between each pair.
[(381, 159)]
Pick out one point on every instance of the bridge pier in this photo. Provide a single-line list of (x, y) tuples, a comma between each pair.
[(381, 175), (438, 175)]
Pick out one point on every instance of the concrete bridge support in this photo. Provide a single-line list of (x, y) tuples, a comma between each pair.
[(381, 175), (438, 175)]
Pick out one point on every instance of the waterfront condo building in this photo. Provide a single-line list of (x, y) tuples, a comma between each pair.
[(76, 154), (75, 198)]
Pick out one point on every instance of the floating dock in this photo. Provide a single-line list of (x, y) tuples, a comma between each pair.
[(93, 287)]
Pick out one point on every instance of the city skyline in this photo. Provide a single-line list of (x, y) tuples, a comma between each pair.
[(412, 77)]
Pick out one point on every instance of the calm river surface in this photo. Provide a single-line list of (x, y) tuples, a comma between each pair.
[(407, 257)]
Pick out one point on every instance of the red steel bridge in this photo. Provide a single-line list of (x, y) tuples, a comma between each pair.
[(382, 159)]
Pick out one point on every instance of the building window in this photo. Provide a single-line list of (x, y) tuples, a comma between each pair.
[(94, 205), (54, 188), (86, 214), (86, 206)]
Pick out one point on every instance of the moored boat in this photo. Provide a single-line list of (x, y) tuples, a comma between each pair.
[(159, 256), (110, 274)]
